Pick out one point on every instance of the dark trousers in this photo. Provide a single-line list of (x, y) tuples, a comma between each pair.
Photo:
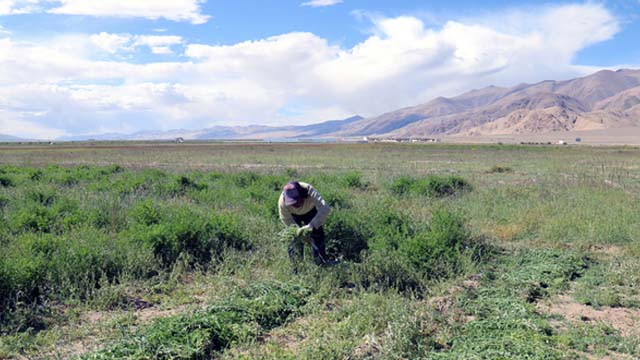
[(296, 250)]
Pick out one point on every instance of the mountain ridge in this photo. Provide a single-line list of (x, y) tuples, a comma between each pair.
[(546, 106)]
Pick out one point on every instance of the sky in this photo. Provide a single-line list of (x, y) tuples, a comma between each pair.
[(88, 67)]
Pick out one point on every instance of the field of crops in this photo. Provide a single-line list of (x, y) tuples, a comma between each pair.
[(175, 251)]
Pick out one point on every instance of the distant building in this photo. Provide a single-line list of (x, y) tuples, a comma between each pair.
[(179, 140), (562, 142)]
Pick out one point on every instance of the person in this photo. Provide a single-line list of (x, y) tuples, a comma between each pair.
[(301, 205)]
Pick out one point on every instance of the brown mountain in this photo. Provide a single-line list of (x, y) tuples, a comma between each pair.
[(606, 99)]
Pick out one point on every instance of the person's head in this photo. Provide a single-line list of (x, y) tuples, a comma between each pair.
[(293, 194)]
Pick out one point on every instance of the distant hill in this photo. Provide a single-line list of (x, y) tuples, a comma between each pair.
[(230, 132), (9, 138), (606, 99)]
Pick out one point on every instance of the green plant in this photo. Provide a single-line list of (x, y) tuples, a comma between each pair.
[(438, 252)]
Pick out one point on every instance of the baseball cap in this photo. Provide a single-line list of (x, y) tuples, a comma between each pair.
[(291, 194)]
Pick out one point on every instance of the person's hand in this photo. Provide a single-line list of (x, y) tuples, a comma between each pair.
[(304, 230)]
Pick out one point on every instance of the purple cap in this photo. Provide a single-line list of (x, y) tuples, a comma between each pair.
[(291, 194)]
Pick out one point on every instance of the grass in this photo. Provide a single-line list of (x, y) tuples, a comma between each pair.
[(445, 255)]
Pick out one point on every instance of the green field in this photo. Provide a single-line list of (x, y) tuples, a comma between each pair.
[(175, 251)]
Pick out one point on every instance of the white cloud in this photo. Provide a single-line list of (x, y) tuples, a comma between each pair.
[(114, 43), (156, 40), (294, 77), (176, 10), (321, 3), (11, 123), (111, 43), (17, 7)]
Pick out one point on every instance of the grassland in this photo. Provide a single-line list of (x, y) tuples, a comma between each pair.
[(123, 250)]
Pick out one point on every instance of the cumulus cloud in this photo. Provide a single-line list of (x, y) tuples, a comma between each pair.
[(18, 7), (175, 10), (321, 3), (294, 77), (12, 123), (114, 43), (111, 43)]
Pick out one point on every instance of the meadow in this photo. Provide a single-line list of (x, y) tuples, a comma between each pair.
[(174, 251)]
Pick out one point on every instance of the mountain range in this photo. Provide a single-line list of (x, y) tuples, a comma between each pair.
[(604, 100), (257, 132)]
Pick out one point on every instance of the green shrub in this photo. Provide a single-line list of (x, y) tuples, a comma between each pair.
[(336, 198), (39, 267), (62, 214), (32, 218), (440, 186), (387, 227), (432, 186), (438, 252), (145, 213), (244, 179), (4, 201), (123, 183), (354, 180), (499, 169), (42, 195), (345, 236), (244, 316), (6, 181), (387, 270), (183, 230), (402, 185)]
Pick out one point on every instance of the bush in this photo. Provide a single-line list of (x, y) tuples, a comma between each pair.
[(6, 181), (345, 235), (174, 231), (61, 214), (4, 201), (336, 198), (387, 270), (42, 195), (354, 180), (440, 186), (387, 227), (38, 267), (432, 186), (402, 185), (499, 169), (438, 251), (145, 213), (244, 316)]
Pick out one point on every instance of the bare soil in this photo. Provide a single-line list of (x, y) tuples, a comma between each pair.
[(626, 321)]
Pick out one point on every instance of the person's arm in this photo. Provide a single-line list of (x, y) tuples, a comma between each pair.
[(285, 214), (322, 208)]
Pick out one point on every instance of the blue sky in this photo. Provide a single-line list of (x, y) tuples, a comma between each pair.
[(71, 67)]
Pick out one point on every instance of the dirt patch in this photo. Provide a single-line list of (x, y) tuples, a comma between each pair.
[(626, 321), (143, 316), (608, 250)]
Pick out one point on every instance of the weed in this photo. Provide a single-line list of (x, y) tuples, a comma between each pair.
[(499, 169), (242, 317), (431, 186)]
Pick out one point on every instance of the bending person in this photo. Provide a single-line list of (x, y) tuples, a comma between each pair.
[(301, 205)]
